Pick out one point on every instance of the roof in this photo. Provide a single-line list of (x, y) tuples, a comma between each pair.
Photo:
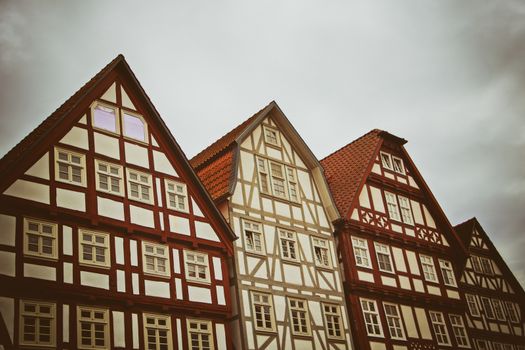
[(465, 230)]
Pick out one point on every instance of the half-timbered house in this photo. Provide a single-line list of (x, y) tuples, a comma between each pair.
[(287, 290), (108, 239), (400, 255), (495, 299)]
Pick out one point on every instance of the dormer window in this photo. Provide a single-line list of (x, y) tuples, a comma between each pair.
[(398, 165), (386, 160), (134, 126), (104, 117), (271, 136)]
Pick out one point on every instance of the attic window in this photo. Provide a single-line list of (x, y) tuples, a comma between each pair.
[(271, 136), (398, 165), (104, 117), (134, 126), (386, 159)]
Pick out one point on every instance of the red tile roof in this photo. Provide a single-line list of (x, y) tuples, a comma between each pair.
[(347, 168)]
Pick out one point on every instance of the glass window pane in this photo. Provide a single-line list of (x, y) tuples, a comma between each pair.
[(105, 118), (133, 127)]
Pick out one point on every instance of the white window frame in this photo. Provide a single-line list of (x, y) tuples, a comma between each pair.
[(263, 175), (360, 246), (482, 344), (447, 271), (384, 250), (119, 177), (157, 327), (373, 320), (476, 263), (41, 236), (192, 263), (406, 210), (292, 184), (400, 171), (178, 196), (156, 256), (459, 330), (116, 113), (70, 165), (199, 332), (38, 317), (299, 317), (94, 244), (267, 140), (440, 328), (486, 266), (428, 267), (275, 177), (511, 311), (266, 309), (394, 321), (289, 239), (486, 304), (333, 321), (321, 248), (92, 320), (253, 231), (388, 157), (472, 305), (138, 116), (498, 310), (392, 206), (141, 184)]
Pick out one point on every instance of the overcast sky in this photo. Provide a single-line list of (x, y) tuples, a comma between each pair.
[(448, 76)]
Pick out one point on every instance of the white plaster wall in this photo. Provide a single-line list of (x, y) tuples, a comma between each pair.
[(67, 240), (157, 289), (7, 310), (119, 250), (377, 199), (7, 263), (65, 323), (205, 231), (422, 321), (40, 272), (71, 199), (217, 268), (141, 216), (135, 330), (162, 164), (76, 137), (68, 272), (110, 208), (41, 168), (119, 336), (133, 252), (29, 190), (220, 332), (410, 324), (198, 294), (107, 145), (121, 281), (136, 154), (96, 280), (179, 225), (7, 230)]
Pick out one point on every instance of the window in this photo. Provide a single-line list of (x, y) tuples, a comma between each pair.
[(384, 260), (371, 316), (271, 136), (458, 328), (37, 323), (278, 181), (440, 329), (393, 210), (157, 332), (299, 316), (253, 236), (332, 320), (487, 307), (472, 305), (428, 268), (263, 175), (448, 273), (177, 196), (322, 257), (482, 344), (511, 311), (94, 248), (263, 311), (134, 126), (200, 334), (497, 346), (104, 117), (282, 180), (406, 210), (386, 160), (361, 254), (109, 177), (291, 176), (486, 266), (498, 309), (93, 328), (393, 319), (40, 238), (475, 263), (288, 245), (155, 259), (139, 186), (197, 266), (398, 165), (70, 167)]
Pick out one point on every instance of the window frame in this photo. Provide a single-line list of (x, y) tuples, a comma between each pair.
[(291, 241), (402, 170), (176, 194), (336, 321), (396, 317), (70, 165), (116, 114), (389, 166), (450, 270), (391, 203), (54, 237), (427, 264), (93, 244), (484, 346), (271, 312), (156, 256), (292, 183), (486, 266), (461, 326), (281, 177), (245, 229), (37, 315), (409, 217), (439, 325), (476, 263), (499, 312), (316, 243), (488, 310), (512, 315), (303, 314), (129, 181), (105, 322), (263, 175), (199, 332), (205, 264), (119, 176), (157, 328), (136, 115), (360, 248), (377, 317), (277, 136), (379, 249), (472, 305)]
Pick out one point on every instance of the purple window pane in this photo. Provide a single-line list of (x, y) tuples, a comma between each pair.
[(104, 118), (133, 127)]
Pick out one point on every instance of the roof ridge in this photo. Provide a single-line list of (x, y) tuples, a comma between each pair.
[(377, 131)]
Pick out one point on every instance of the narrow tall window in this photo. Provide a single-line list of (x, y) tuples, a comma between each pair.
[(134, 126), (177, 196), (406, 210), (288, 245), (482, 344), (139, 186), (322, 256), (429, 271), (486, 266), (200, 334), (278, 181), (263, 175), (498, 309), (37, 323), (384, 260), (511, 311), (476, 265), (361, 254), (398, 165), (271, 136), (94, 248), (393, 319), (70, 167), (472, 305), (263, 311), (332, 320), (371, 316), (448, 273), (393, 209), (386, 160), (292, 184), (105, 117), (487, 307), (40, 238), (197, 266), (93, 328), (459, 330), (109, 177), (299, 316), (440, 329), (155, 259), (253, 236), (157, 332)]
